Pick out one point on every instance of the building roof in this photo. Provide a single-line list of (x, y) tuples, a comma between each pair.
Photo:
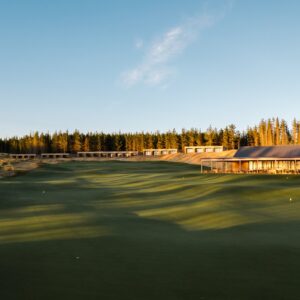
[(289, 151)]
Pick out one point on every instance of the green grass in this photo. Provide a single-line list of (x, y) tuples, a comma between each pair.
[(148, 230)]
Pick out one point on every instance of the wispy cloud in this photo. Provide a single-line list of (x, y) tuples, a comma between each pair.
[(155, 67)]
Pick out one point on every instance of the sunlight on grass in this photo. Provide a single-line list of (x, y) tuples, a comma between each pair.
[(75, 232), (214, 214), (33, 209), (49, 226), (56, 182), (165, 192)]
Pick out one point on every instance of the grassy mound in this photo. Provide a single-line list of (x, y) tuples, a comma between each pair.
[(148, 230)]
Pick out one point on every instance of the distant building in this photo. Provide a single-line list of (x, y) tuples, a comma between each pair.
[(157, 152), (55, 155), (107, 154), (269, 159), (203, 149), (22, 156)]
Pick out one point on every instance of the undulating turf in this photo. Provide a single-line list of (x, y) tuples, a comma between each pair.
[(148, 230)]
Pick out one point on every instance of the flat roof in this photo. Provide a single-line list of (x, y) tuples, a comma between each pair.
[(55, 154), (22, 154), (213, 146), (282, 151)]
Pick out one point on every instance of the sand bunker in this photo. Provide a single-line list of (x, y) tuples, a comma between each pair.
[(10, 167)]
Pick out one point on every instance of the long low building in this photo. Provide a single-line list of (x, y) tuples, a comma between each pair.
[(203, 149), (157, 152), (55, 155), (22, 156), (268, 159), (107, 154)]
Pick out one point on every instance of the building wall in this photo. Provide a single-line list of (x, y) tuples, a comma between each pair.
[(157, 152), (203, 149)]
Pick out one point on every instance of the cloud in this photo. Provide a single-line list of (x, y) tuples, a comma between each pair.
[(154, 69)]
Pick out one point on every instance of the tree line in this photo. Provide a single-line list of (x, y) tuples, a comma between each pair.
[(267, 133)]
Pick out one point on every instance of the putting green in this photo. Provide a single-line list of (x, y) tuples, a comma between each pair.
[(148, 230)]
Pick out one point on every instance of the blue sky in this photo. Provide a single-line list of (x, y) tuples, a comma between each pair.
[(135, 65)]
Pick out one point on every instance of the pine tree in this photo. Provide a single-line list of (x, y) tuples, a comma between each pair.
[(75, 142), (298, 135), (158, 141), (269, 134), (295, 131), (232, 136), (225, 139), (284, 133), (183, 139), (62, 142), (173, 139), (54, 142), (262, 133), (85, 144), (277, 132), (198, 138), (210, 136)]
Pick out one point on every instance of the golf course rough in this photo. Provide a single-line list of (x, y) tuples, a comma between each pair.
[(148, 230)]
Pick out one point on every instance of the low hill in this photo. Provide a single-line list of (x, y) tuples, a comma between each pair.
[(192, 158)]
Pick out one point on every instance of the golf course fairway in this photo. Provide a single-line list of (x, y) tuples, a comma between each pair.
[(148, 230)]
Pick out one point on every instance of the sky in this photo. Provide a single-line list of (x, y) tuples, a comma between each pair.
[(132, 65)]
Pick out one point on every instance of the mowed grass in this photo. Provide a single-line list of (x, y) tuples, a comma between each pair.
[(148, 230)]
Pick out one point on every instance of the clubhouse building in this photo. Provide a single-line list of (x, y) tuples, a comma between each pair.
[(268, 159)]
